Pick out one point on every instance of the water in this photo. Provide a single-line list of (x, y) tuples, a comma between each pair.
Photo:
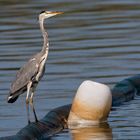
[(97, 40)]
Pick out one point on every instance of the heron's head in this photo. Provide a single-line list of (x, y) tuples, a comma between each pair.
[(48, 14)]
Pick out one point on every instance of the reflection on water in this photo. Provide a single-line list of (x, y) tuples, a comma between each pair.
[(101, 132), (96, 40)]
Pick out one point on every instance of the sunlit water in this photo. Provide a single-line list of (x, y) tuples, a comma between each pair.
[(97, 40)]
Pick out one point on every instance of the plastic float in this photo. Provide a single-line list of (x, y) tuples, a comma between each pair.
[(91, 105)]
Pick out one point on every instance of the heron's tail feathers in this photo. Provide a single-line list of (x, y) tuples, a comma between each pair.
[(12, 98)]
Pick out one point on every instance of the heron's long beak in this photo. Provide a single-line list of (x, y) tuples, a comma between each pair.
[(54, 13), (57, 13)]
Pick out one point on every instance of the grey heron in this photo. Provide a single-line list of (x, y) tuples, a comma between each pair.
[(30, 74)]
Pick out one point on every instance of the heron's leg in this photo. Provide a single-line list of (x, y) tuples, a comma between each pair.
[(32, 105), (27, 101)]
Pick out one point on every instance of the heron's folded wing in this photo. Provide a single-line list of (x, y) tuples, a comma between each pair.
[(24, 75)]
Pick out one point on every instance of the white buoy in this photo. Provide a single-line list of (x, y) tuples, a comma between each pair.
[(92, 104)]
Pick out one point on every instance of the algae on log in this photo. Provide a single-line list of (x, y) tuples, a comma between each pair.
[(56, 120)]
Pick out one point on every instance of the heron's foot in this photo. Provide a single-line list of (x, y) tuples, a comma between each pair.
[(29, 122), (32, 106), (36, 120)]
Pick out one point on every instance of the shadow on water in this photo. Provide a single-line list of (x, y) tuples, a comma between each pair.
[(97, 40)]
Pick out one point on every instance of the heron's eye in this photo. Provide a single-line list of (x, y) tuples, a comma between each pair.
[(42, 12)]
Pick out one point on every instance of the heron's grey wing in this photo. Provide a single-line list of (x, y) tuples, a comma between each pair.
[(24, 75)]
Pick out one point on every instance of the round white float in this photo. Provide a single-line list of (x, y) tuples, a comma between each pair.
[(92, 104)]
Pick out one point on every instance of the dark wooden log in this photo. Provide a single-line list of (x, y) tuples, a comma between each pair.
[(56, 120)]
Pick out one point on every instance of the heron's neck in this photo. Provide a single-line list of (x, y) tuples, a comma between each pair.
[(45, 36)]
